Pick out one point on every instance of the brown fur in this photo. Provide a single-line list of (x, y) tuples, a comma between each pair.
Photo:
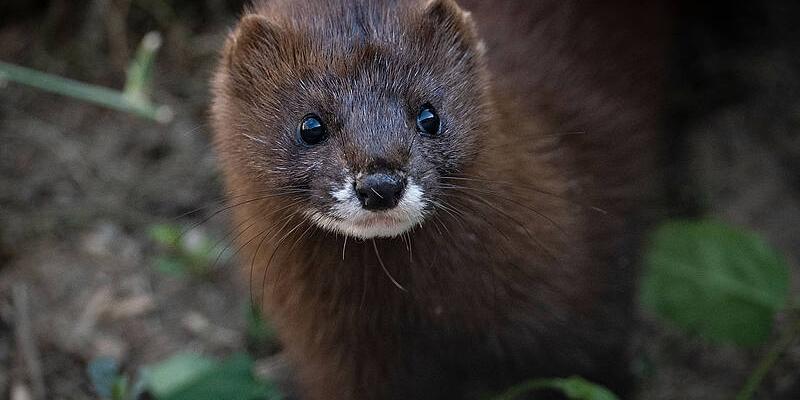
[(518, 276)]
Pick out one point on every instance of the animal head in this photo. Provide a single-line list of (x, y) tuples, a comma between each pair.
[(355, 110)]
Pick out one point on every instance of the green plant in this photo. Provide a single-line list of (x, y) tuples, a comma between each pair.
[(192, 377), (190, 253), (134, 99), (575, 388), (185, 376), (724, 284)]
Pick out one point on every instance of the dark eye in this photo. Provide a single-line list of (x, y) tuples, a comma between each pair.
[(312, 131), (428, 120)]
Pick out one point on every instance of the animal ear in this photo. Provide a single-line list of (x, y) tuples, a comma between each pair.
[(447, 16), (255, 38)]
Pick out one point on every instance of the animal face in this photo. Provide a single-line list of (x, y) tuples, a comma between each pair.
[(355, 114)]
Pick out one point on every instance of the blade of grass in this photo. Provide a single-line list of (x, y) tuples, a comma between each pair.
[(134, 100), (140, 70), (575, 388)]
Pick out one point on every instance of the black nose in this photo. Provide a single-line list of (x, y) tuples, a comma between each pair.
[(379, 191)]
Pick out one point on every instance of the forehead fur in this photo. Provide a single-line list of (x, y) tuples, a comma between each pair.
[(394, 47), (345, 22), (339, 21), (288, 33)]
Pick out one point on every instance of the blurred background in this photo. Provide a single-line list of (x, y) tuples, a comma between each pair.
[(94, 202)]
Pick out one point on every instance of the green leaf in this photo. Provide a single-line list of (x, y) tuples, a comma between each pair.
[(192, 377), (578, 388), (575, 388), (173, 374), (708, 278), (232, 380)]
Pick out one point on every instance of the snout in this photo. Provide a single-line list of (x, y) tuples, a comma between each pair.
[(380, 190)]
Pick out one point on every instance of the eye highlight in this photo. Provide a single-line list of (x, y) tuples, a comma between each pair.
[(311, 130), (428, 121)]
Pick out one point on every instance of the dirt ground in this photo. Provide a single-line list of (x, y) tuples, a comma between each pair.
[(81, 186)]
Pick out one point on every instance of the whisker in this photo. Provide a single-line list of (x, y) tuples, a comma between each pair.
[(231, 241), (446, 229), (526, 187), (485, 219), (385, 270), (449, 210), (472, 196), (232, 206), (297, 241), (224, 199), (344, 246), (541, 245), (266, 234), (436, 225), (275, 250), (407, 239), (300, 238), (529, 208)]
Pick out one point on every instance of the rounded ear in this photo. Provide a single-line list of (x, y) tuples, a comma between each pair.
[(448, 15), (255, 40), (448, 18)]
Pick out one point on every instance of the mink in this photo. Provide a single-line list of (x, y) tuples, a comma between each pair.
[(439, 200)]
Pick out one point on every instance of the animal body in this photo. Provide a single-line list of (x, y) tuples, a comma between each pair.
[(440, 200)]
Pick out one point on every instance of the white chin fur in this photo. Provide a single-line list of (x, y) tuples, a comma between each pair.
[(349, 218)]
